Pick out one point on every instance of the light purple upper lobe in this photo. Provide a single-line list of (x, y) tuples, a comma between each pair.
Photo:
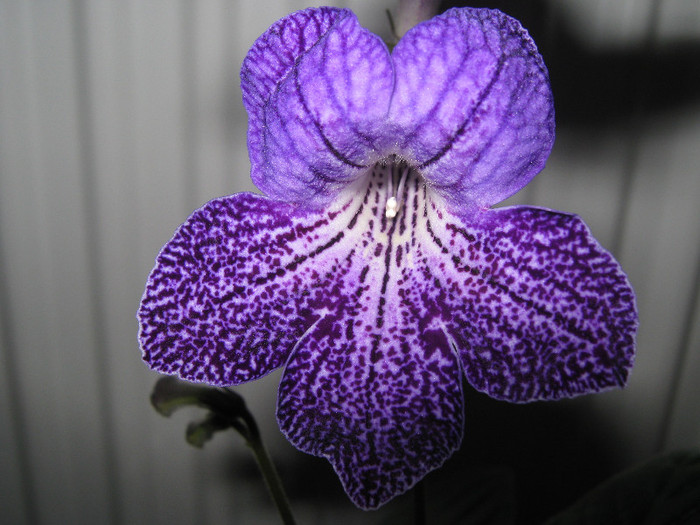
[(464, 97), (317, 88), (473, 106)]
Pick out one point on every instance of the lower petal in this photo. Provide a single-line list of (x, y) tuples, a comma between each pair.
[(539, 310), (381, 400)]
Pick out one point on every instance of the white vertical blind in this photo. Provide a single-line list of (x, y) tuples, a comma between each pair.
[(44, 228), (118, 118)]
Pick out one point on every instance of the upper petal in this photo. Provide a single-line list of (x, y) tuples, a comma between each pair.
[(472, 105), (317, 87), (538, 309), (237, 286)]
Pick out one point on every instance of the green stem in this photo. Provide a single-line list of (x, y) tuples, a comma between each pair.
[(268, 470), (227, 410)]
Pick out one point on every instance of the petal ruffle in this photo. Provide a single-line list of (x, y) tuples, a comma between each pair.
[(237, 286), (539, 310), (317, 87), (473, 106)]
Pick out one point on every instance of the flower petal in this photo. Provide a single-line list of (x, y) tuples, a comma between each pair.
[(375, 387), (539, 310), (236, 287), (473, 104), (381, 400), (316, 86)]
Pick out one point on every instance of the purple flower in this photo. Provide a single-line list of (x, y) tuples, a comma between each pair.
[(374, 270)]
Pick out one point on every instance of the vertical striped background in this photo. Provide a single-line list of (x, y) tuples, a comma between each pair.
[(119, 117)]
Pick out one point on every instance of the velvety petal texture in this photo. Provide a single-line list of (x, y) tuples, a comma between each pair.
[(465, 97), (472, 105), (373, 270), (316, 86)]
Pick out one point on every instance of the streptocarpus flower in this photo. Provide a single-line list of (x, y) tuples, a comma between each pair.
[(374, 269)]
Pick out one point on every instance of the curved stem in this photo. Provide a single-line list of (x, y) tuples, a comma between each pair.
[(228, 410), (268, 470)]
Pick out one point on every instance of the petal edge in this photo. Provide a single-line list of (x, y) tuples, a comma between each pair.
[(473, 104), (539, 309)]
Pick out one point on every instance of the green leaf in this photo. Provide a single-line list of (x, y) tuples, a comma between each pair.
[(663, 491), (199, 432), (170, 394)]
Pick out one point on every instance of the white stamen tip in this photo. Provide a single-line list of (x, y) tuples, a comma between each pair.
[(392, 207)]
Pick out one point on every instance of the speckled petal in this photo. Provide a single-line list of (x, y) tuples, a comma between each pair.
[(317, 87), (376, 391), (375, 387), (539, 310), (237, 286), (473, 106)]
